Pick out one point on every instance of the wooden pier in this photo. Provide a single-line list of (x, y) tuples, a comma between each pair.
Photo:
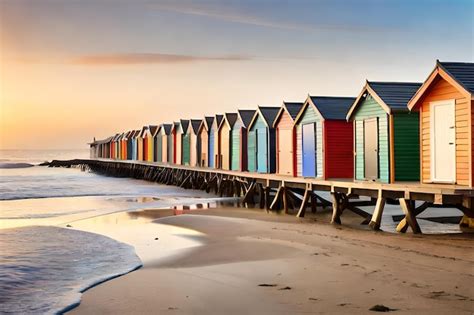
[(294, 194)]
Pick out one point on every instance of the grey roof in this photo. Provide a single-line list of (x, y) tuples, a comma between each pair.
[(153, 129), (293, 108), (184, 124), (462, 72), (246, 116), (395, 94), (231, 118), (208, 121), (219, 119), (195, 123), (269, 113), (333, 107), (167, 128)]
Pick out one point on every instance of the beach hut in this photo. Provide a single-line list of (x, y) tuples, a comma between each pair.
[(116, 146), (173, 137), (214, 141), (182, 143), (164, 143), (135, 145), (238, 153), (286, 138), (140, 144), (130, 145), (324, 139), (224, 137), (445, 103), (203, 141), (261, 144), (157, 145), (192, 137), (386, 134), (150, 136)]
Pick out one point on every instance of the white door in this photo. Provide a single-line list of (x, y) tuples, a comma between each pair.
[(443, 142)]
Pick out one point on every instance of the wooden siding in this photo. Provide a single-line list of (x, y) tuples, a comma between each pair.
[(439, 91), (339, 142), (371, 109), (204, 139), (251, 151), (285, 151), (309, 116), (193, 149), (158, 148), (224, 139), (260, 127), (359, 149), (406, 128), (235, 152), (151, 151), (164, 148), (179, 148)]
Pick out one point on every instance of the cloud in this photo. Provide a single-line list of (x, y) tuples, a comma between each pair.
[(149, 58), (231, 15)]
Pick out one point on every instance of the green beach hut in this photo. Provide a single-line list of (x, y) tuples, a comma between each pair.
[(238, 154), (186, 142), (386, 134)]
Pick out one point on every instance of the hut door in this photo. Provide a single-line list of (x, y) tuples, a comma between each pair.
[(371, 149), (211, 148), (443, 147), (262, 150), (285, 151), (309, 150)]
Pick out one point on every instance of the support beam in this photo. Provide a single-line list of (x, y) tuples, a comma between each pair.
[(410, 216), (378, 211), (304, 203), (403, 225)]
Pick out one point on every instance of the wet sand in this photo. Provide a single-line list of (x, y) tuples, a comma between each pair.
[(241, 261)]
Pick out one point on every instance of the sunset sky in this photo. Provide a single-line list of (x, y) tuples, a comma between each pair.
[(72, 70)]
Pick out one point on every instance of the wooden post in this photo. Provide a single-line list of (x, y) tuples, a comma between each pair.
[(403, 225), (285, 200), (314, 202), (275, 203), (267, 198), (338, 206), (377, 216), (409, 216), (304, 202), (261, 193)]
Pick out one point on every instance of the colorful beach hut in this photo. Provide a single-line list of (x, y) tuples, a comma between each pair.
[(284, 125), (324, 139), (225, 140), (164, 143), (238, 153), (386, 134), (445, 103), (192, 136), (182, 143), (157, 145), (261, 144), (174, 129), (214, 142), (129, 144), (203, 141), (135, 145)]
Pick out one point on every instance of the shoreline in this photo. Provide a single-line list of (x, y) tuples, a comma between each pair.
[(242, 248)]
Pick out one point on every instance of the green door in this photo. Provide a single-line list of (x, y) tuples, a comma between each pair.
[(186, 149)]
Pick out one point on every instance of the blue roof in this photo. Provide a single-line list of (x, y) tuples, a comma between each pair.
[(333, 107), (462, 72), (395, 94), (293, 108)]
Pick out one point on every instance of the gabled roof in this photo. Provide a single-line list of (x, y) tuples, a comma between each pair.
[(230, 119), (268, 114), (458, 74), (246, 116), (184, 124), (103, 141), (114, 138), (142, 132), (153, 129), (195, 124), (291, 108), (391, 96), (136, 133), (218, 119), (208, 120), (462, 72), (166, 128)]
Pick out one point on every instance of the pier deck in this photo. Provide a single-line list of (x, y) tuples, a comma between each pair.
[(280, 192)]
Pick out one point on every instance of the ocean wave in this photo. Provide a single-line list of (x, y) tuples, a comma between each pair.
[(15, 165), (45, 269)]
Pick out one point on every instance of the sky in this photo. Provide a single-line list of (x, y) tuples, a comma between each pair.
[(71, 70)]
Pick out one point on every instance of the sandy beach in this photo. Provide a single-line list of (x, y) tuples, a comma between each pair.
[(246, 261)]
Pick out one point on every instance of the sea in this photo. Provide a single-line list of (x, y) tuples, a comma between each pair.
[(45, 266)]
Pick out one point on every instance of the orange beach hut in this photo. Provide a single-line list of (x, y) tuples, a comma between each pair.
[(445, 102)]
